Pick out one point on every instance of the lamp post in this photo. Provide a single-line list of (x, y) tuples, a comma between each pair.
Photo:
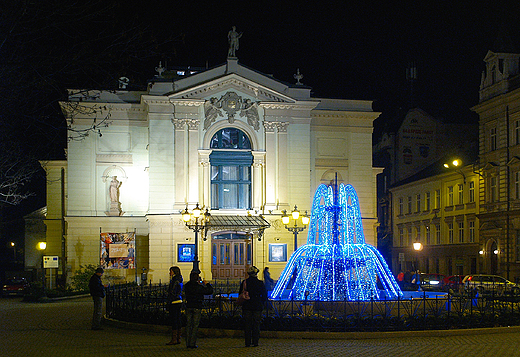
[(295, 229), (41, 246), (417, 246), (13, 245), (200, 221)]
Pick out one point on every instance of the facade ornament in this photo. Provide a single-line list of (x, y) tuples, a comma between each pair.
[(250, 111), (123, 82), (298, 76), (231, 103), (113, 191), (280, 126), (233, 37), (211, 111), (160, 69), (181, 123)]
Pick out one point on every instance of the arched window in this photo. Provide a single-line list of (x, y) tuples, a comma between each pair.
[(231, 161)]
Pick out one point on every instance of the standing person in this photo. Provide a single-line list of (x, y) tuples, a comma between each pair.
[(268, 281), (194, 291), (174, 304), (252, 308), (400, 279), (97, 291), (407, 280), (416, 280)]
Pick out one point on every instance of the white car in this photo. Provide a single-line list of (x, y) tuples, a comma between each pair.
[(490, 284)]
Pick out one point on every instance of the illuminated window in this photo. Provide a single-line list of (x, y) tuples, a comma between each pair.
[(230, 170)]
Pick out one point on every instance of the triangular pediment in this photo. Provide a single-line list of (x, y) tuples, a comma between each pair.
[(232, 83)]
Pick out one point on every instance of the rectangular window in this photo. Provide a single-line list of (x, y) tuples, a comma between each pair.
[(438, 199), (471, 231), (409, 204), (401, 237), (518, 245), (493, 191), (517, 185), (461, 232), (461, 194), (428, 235), (437, 234), (410, 240), (401, 206), (418, 202), (450, 195), (427, 201), (230, 187), (492, 139), (517, 132), (450, 233), (472, 191)]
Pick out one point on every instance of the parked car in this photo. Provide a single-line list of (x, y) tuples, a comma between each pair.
[(487, 284), (432, 281), (453, 282), (14, 286)]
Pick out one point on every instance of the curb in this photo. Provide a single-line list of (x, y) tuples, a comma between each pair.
[(311, 335)]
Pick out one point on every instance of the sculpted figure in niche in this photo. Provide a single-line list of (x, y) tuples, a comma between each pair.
[(114, 189), (233, 37)]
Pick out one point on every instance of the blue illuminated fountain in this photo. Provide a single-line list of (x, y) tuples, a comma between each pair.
[(336, 264)]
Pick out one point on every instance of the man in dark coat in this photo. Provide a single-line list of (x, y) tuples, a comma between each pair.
[(194, 291), (97, 291), (252, 308)]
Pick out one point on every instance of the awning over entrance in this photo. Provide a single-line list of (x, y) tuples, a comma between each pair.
[(248, 224)]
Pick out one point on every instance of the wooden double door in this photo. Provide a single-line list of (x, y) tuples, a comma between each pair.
[(231, 255)]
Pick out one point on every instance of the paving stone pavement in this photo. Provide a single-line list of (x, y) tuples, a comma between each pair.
[(63, 329)]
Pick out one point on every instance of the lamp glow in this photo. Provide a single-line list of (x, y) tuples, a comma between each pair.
[(42, 245), (336, 264), (295, 213), (285, 218), (417, 246)]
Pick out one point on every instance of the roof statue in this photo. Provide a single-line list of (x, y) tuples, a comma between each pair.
[(298, 76), (233, 37)]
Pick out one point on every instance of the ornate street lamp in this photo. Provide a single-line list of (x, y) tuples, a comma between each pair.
[(196, 221), (295, 229)]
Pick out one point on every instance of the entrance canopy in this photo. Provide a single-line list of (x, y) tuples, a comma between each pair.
[(248, 224)]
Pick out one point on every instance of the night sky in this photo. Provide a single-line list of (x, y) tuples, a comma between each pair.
[(343, 49)]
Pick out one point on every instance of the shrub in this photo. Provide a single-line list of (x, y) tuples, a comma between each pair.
[(82, 276)]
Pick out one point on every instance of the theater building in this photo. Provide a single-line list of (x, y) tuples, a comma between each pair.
[(237, 143)]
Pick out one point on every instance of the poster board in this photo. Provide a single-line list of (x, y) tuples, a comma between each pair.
[(117, 250)]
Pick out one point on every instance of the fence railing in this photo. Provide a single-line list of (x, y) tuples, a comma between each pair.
[(147, 304)]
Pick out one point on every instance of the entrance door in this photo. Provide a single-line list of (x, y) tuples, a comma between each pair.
[(231, 255)]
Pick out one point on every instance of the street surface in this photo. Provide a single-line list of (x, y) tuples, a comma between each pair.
[(63, 329)]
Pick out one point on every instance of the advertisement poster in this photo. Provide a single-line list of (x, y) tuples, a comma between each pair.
[(186, 253), (118, 250)]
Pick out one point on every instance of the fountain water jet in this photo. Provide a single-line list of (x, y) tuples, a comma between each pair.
[(336, 264)]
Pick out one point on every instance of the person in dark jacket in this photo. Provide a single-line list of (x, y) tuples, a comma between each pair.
[(194, 291), (97, 291), (268, 281), (174, 304), (252, 308)]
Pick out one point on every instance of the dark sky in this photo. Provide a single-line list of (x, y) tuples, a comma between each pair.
[(346, 50)]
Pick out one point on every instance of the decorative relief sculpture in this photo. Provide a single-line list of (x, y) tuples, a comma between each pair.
[(233, 37), (250, 111), (211, 111), (231, 103)]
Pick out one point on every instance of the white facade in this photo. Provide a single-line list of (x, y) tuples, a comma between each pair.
[(158, 145)]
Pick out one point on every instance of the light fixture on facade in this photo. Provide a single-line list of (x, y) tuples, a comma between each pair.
[(496, 251), (481, 252)]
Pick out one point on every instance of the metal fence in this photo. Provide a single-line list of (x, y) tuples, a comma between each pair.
[(147, 304)]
